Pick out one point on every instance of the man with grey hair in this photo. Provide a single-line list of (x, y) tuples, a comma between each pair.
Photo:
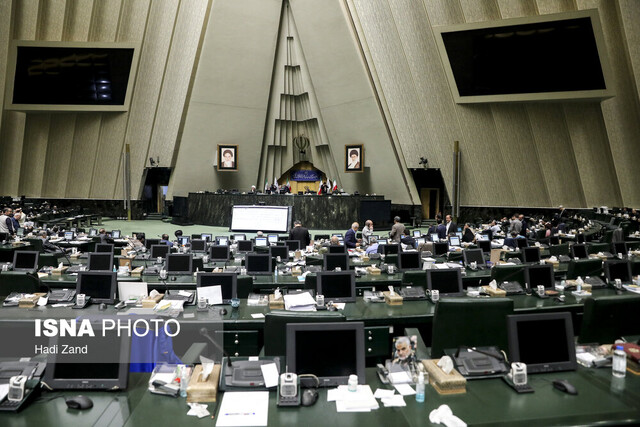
[(300, 233), (367, 232), (6, 222), (397, 230), (350, 240), (373, 246)]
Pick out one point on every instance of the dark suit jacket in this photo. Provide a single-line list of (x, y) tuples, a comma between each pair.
[(300, 234), (350, 238), (442, 231), (511, 242), (453, 228)]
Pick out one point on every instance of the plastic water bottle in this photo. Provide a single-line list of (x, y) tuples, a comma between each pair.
[(579, 284), (184, 380), (420, 388), (619, 368)]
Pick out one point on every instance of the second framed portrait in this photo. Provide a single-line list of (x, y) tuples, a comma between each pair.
[(227, 157), (354, 158)]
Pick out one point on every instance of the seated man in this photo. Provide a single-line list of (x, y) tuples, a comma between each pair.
[(165, 240), (350, 240), (511, 241), (408, 240), (373, 246)]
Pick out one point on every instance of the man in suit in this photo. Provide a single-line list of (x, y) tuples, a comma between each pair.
[(397, 230), (350, 240), (441, 229), (300, 233), (511, 241), (450, 225)]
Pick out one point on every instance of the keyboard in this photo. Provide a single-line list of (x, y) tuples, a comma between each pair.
[(511, 288), (595, 282), (413, 293)]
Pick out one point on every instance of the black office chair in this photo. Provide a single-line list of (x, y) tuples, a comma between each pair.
[(608, 318), (21, 282), (275, 327), (508, 273), (470, 322), (584, 267)]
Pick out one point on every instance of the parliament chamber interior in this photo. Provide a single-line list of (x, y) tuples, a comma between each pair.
[(303, 212)]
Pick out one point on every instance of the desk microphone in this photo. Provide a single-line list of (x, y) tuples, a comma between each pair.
[(63, 253), (205, 333)]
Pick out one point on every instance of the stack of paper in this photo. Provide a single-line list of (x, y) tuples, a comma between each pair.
[(361, 400), (247, 408), (299, 302)]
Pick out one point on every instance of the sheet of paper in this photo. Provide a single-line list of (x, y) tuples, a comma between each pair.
[(333, 394), (395, 400), (257, 315), (270, 374), (382, 393), (213, 294), (404, 389), (185, 293), (244, 408), (400, 377), (4, 390)]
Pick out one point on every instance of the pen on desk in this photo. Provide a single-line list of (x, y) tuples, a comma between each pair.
[(32, 372), (240, 413)]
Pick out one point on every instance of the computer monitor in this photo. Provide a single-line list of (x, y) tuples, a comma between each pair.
[(580, 238), (330, 351), (410, 260), (261, 242), (531, 254), (244, 246), (293, 245), (543, 341), (454, 241), (74, 229), (337, 249), (100, 261), (459, 234), (617, 269), (222, 240), (238, 236), (522, 243), (579, 251), (473, 255), (150, 242), (448, 282), (389, 249), (115, 234), (207, 237), (258, 264), (198, 245), (25, 261), (272, 239), (68, 235), (179, 264), (554, 240), (219, 253), (485, 245), (337, 286), (184, 240), (434, 237), (333, 261), (20, 232), (227, 281), (620, 248), (440, 248), (383, 241), (101, 286), (104, 247), (93, 232), (482, 237), (417, 233), (420, 241), (279, 251), (159, 251), (536, 275), (105, 366), (338, 235)]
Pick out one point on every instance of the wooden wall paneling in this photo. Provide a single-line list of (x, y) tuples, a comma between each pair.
[(11, 141), (25, 19), (443, 12), (58, 157), (144, 105), (480, 10), (517, 8), (104, 23), (51, 20), (629, 15), (6, 13), (34, 152), (81, 165), (77, 20), (555, 6)]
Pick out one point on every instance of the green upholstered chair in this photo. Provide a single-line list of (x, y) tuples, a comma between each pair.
[(557, 250), (415, 278), (20, 282), (275, 327), (594, 248), (508, 273), (470, 322), (608, 318), (584, 267)]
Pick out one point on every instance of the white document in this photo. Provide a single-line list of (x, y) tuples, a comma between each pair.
[(131, 290), (257, 315), (361, 400), (244, 408), (404, 389), (213, 294), (4, 390), (270, 374), (382, 393), (400, 377), (395, 400), (299, 302)]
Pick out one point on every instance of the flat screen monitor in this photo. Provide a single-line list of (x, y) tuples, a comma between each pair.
[(101, 286), (330, 351), (68, 235), (261, 242), (104, 247), (440, 248), (434, 237), (448, 282), (100, 261), (536, 275), (93, 232), (258, 264), (279, 251), (579, 251), (333, 261), (183, 240), (580, 238), (544, 341), (459, 234), (554, 240), (337, 249), (227, 281), (159, 251), (337, 286), (222, 240), (454, 241), (389, 249), (338, 235), (420, 241), (409, 261), (383, 241), (74, 229), (620, 248), (531, 254), (417, 233), (483, 237), (115, 234), (104, 367), (245, 246), (237, 237), (25, 261), (198, 245), (293, 245), (20, 232), (617, 269), (485, 245), (272, 238), (219, 253), (179, 264), (473, 255), (522, 243), (150, 242), (206, 237)]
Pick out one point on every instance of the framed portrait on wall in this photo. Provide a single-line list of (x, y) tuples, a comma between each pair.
[(354, 158), (227, 157)]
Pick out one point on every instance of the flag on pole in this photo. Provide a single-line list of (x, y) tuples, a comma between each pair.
[(266, 185), (320, 188), (335, 185), (288, 186)]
